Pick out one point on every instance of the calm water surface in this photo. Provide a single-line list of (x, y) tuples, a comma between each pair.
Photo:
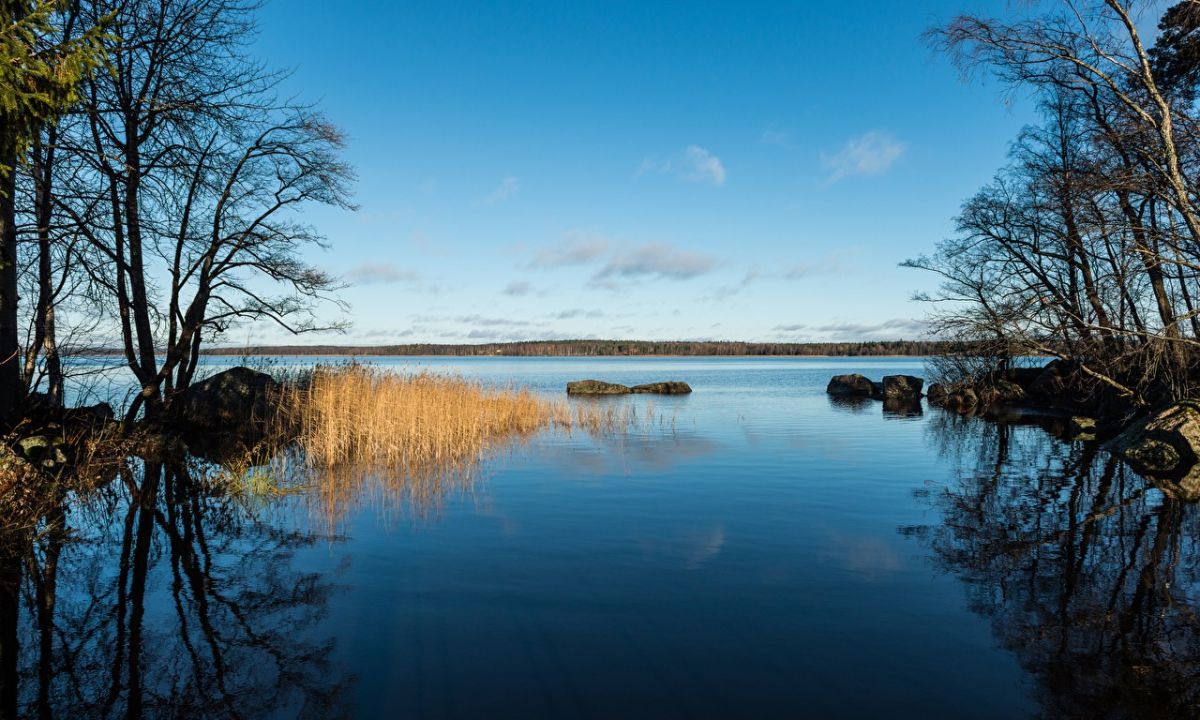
[(758, 551)]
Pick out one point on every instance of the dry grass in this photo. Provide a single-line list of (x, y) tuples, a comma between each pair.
[(28, 494), (23, 495), (422, 435), (357, 414)]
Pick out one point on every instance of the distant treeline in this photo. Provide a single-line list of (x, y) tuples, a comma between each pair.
[(588, 348)]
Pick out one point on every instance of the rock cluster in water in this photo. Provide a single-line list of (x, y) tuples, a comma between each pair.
[(1039, 387), (893, 387), (1164, 445), (599, 387), (901, 394)]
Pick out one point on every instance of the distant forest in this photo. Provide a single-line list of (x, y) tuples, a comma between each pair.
[(586, 348)]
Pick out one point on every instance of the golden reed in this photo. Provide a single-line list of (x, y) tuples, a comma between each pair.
[(421, 435)]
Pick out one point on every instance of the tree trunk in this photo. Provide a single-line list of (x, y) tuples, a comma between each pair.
[(139, 304), (10, 610), (10, 350), (47, 594), (147, 499), (44, 341)]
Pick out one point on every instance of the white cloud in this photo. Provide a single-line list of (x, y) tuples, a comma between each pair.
[(700, 165), (576, 249), (870, 154), (518, 288), (837, 262), (894, 329), (505, 190), (369, 273), (656, 259), (577, 313), (621, 262), (694, 164)]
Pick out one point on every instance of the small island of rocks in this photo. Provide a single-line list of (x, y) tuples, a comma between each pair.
[(599, 387)]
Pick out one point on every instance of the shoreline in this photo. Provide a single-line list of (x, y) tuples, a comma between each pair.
[(527, 355), (583, 348)]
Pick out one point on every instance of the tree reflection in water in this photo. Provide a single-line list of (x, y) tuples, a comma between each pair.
[(162, 597), (1088, 574)]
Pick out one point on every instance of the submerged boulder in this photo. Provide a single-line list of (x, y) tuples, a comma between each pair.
[(1005, 392), (960, 399), (672, 387), (1164, 444), (597, 387), (902, 387), (850, 385)]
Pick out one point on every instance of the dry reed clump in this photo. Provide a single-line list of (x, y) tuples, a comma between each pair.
[(360, 415), (421, 434)]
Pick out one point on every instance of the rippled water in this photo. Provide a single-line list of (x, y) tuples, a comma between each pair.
[(758, 550)]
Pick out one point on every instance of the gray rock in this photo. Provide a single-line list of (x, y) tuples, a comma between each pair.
[(46, 452), (902, 387), (850, 385), (597, 387), (1164, 444), (1003, 392), (956, 399), (673, 387), (1081, 429), (34, 446), (227, 401)]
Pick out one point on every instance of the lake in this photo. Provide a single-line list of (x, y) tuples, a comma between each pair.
[(753, 550)]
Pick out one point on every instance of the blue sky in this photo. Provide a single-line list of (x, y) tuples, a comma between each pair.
[(638, 170)]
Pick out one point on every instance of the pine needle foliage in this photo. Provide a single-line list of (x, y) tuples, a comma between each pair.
[(40, 70)]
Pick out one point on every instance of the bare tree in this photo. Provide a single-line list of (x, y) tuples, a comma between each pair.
[(193, 169), (1087, 246), (39, 78)]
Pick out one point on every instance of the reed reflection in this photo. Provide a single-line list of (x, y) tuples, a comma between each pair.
[(1088, 574), (162, 595)]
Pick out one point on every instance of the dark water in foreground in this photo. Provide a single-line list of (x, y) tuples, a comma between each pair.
[(760, 552)]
